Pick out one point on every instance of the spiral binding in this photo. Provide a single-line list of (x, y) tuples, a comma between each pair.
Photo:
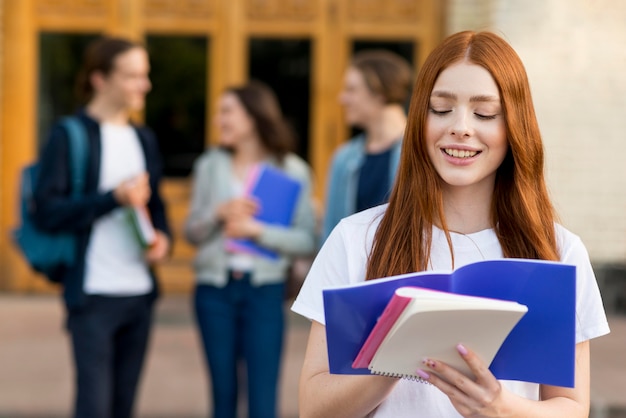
[(400, 376)]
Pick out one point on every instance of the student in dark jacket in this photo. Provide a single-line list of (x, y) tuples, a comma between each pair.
[(109, 291)]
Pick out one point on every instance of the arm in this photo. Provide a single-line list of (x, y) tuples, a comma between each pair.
[(330, 211), (485, 397), (158, 214), (56, 209), (296, 239), (154, 166), (299, 238), (203, 220), (328, 395)]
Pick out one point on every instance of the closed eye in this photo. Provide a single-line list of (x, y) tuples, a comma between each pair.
[(486, 117), (439, 112)]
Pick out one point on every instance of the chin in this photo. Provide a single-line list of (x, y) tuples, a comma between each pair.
[(137, 103), (355, 122), (226, 143)]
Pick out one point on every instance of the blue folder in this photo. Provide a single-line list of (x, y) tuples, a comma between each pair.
[(539, 349), (277, 194)]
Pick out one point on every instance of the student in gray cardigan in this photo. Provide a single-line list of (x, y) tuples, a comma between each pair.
[(239, 296)]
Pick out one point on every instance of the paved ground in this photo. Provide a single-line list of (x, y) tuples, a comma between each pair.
[(35, 372)]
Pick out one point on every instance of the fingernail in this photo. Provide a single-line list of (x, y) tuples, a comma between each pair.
[(429, 363), (421, 373), (461, 349)]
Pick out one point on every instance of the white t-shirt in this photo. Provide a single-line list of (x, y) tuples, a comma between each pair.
[(343, 260), (115, 263)]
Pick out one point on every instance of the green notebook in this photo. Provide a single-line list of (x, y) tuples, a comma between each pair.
[(142, 225)]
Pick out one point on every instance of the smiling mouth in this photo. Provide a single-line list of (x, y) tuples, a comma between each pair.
[(459, 153)]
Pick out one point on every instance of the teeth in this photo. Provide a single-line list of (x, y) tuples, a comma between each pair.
[(460, 153)]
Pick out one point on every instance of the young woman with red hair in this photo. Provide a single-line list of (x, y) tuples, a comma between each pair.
[(470, 187)]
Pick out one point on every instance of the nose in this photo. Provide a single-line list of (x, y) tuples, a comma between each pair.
[(460, 126)]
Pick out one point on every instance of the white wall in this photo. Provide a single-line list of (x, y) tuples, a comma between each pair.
[(575, 55)]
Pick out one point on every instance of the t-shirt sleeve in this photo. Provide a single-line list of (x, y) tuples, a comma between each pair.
[(591, 319), (329, 269)]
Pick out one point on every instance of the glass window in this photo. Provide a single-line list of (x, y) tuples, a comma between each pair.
[(176, 106), (285, 65), (60, 57)]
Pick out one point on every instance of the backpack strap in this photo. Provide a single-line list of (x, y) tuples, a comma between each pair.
[(78, 142)]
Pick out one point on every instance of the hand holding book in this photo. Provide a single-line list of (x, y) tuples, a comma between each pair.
[(540, 348), (419, 323), (142, 225), (277, 195)]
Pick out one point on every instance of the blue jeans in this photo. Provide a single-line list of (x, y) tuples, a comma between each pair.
[(109, 340), (242, 321)]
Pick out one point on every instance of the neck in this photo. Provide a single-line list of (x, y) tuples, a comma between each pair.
[(382, 132), (248, 152), (468, 210), (103, 111)]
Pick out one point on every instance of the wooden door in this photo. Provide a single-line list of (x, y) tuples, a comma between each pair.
[(331, 29)]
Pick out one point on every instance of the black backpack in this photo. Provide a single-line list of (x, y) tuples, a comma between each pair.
[(50, 253)]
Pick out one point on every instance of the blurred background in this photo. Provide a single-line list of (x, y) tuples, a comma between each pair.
[(575, 56)]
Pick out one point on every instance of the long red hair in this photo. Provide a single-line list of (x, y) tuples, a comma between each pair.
[(522, 213)]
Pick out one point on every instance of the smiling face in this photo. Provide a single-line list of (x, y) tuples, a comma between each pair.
[(465, 127), (128, 82), (233, 121), (360, 104)]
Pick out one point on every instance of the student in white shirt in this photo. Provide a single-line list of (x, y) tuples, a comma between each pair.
[(110, 289), (470, 186)]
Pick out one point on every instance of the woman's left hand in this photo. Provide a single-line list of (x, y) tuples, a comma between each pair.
[(242, 227), (478, 397)]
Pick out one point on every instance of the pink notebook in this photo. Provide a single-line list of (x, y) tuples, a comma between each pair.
[(387, 319)]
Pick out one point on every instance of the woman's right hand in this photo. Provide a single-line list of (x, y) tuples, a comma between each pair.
[(237, 216), (237, 209)]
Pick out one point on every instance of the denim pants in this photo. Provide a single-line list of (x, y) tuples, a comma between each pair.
[(242, 321), (109, 340)]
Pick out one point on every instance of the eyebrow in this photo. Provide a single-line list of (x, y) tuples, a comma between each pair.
[(477, 98)]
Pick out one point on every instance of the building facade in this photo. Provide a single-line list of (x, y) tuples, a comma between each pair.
[(573, 51), (308, 42)]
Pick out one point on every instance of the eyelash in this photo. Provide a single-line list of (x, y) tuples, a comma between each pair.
[(439, 112), (479, 116)]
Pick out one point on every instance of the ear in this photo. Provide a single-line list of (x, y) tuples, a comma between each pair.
[(380, 99), (97, 80)]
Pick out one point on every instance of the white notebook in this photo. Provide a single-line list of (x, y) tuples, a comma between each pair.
[(421, 323)]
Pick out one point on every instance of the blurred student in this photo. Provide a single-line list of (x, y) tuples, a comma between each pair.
[(109, 292), (376, 87), (239, 296)]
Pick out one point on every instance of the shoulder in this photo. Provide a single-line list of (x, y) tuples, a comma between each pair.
[(296, 166), (58, 137), (145, 132), (569, 244), (355, 145), (368, 216), (361, 226), (211, 156)]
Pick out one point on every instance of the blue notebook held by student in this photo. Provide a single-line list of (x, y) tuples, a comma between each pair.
[(277, 194), (539, 349)]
